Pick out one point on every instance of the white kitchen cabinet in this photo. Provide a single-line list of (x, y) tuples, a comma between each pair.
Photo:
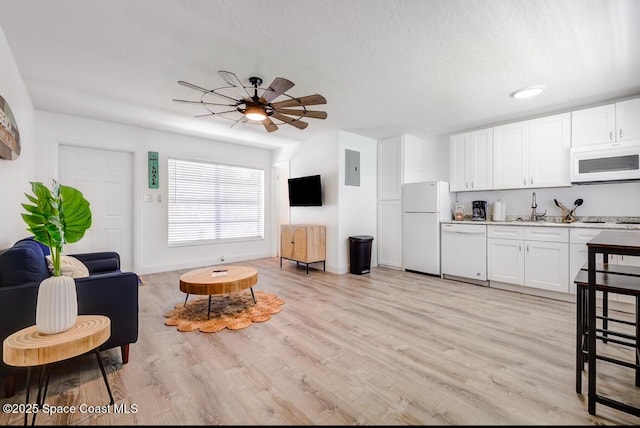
[(510, 166), (533, 153), (390, 179), (628, 120), (390, 174), (505, 260), (471, 161), (549, 145), (535, 257), (612, 123), (390, 233)]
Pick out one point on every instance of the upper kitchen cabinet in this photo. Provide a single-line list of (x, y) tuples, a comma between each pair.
[(471, 161), (611, 123), (390, 175), (510, 164), (532, 153), (549, 145)]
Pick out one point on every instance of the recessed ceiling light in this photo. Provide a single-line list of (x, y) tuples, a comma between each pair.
[(531, 91)]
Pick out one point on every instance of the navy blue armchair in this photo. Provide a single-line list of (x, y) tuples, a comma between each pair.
[(106, 291)]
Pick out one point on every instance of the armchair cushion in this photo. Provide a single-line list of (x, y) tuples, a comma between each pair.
[(24, 262)]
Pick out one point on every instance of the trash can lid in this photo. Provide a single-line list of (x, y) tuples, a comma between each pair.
[(361, 238)]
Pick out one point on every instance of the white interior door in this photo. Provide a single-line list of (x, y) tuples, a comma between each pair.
[(105, 178)]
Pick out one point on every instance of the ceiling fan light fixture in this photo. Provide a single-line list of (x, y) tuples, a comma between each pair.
[(528, 92), (254, 112)]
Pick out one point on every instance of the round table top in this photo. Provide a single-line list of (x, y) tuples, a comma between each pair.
[(205, 281), (29, 347)]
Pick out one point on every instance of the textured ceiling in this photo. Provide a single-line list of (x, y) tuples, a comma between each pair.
[(422, 67)]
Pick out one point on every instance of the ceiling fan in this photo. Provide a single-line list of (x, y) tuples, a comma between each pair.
[(254, 104)]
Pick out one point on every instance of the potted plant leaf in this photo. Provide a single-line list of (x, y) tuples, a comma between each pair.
[(56, 217)]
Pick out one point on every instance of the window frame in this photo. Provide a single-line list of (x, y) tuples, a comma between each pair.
[(263, 191)]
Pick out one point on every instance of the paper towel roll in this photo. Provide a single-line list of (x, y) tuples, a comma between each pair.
[(498, 211)]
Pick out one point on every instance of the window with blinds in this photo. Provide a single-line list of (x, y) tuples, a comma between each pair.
[(210, 202)]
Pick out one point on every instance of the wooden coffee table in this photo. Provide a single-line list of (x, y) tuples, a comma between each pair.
[(218, 280)]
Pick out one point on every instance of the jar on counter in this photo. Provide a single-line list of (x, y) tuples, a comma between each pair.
[(458, 213)]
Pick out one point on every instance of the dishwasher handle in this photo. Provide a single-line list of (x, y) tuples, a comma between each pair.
[(465, 231)]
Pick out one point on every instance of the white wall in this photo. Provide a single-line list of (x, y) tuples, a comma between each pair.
[(600, 200), (15, 175), (318, 156), (151, 252), (357, 204), (346, 210)]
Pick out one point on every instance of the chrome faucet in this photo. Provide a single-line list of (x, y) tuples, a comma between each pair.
[(535, 216)]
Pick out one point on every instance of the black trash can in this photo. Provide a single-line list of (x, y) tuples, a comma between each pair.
[(360, 254)]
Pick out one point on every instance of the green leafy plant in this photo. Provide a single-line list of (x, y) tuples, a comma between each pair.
[(56, 217)]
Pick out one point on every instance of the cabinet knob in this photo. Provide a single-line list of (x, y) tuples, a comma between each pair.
[(531, 180), (620, 133), (610, 135), (524, 181)]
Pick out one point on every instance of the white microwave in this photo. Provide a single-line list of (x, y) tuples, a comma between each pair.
[(597, 163)]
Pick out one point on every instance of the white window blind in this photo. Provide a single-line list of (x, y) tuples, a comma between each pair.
[(210, 202)]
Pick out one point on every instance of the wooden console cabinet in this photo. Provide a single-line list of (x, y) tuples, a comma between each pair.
[(303, 243)]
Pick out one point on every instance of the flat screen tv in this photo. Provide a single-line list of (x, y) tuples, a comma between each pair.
[(305, 191)]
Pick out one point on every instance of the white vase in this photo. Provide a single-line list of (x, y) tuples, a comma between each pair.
[(57, 305)]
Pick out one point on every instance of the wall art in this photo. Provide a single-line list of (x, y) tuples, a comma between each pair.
[(9, 134)]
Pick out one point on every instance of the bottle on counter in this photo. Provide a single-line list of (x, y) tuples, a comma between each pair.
[(458, 213)]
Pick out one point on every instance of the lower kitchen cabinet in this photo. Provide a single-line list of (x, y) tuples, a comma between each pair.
[(535, 257)]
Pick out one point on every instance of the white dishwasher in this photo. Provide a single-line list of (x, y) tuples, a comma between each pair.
[(464, 251)]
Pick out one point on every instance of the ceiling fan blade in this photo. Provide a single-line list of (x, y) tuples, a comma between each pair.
[(278, 87), (192, 86), (238, 123), (294, 122), (269, 125), (218, 113), (302, 113), (203, 102), (309, 100), (207, 91), (233, 80)]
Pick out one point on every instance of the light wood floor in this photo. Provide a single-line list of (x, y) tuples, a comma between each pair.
[(389, 347)]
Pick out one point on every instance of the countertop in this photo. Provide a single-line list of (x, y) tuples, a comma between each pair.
[(612, 224)]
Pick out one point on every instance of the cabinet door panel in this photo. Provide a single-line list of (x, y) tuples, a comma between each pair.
[(390, 175), (596, 125), (547, 265), (628, 120), (457, 162), (549, 144), (505, 260), (509, 155), (300, 244), (286, 242), (390, 233), (480, 160)]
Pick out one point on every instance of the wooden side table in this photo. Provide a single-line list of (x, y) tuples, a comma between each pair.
[(30, 348)]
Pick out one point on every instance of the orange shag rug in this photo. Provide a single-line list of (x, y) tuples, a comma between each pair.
[(234, 311)]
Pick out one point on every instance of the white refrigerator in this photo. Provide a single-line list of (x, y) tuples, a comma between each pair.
[(424, 205)]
